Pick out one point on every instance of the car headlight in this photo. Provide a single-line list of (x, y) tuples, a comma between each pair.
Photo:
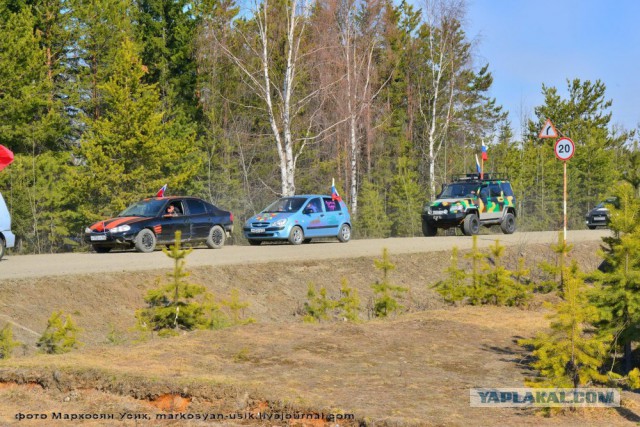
[(279, 223), (120, 229), (456, 208), (88, 230)]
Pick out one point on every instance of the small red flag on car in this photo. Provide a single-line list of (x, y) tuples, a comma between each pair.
[(161, 191), (6, 157)]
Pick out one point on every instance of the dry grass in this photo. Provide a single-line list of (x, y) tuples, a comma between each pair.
[(414, 369)]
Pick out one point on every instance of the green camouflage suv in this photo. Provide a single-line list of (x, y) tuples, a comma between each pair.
[(469, 202)]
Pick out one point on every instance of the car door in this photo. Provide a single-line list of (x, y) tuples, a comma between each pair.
[(333, 216), (172, 223), (313, 216), (199, 219), (495, 201)]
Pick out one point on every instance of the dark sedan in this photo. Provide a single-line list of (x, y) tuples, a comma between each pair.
[(156, 220), (599, 216)]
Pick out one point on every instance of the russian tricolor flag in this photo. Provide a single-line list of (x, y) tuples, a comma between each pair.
[(485, 156), (161, 191), (478, 165), (334, 192)]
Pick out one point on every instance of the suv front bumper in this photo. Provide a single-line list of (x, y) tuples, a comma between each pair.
[(445, 220)]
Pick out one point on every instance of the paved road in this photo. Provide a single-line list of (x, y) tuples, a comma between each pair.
[(24, 266)]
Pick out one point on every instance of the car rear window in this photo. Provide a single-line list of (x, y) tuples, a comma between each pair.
[(331, 205)]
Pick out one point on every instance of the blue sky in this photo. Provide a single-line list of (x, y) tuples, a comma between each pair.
[(528, 43)]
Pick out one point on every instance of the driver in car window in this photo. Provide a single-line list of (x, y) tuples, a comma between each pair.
[(171, 210)]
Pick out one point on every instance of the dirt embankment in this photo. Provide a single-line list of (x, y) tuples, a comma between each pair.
[(413, 369)]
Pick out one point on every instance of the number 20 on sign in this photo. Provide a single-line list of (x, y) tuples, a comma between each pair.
[(564, 149)]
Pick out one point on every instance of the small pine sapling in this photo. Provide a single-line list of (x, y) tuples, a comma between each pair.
[(570, 355), (318, 306), (7, 343), (385, 302), (453, 288), (61, 335), (349, 303)]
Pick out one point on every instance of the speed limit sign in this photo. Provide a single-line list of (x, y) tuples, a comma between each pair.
[(564, 149)]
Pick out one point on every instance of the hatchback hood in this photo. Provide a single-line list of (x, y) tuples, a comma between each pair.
[(108, 224), (270, 216)]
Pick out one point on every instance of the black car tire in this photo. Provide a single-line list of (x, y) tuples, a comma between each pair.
[(471, 225), (429, 230), (216, 237), (101, 249), (145, 241), (3, 248), (344, 235), (254, 242), (508, 224), (296, 236), (591, 227)]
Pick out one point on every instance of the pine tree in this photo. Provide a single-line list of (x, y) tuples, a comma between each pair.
[(498, 286), (349, 303), (60, 335), (569, 355), (372, 220), (7, 343), (319, 305), (131, 151), (454, 287), (405, 199), (173, 307), (617, 294), (385, 302)]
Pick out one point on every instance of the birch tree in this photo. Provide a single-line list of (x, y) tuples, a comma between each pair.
[(443, 53), (360, 26), (275, 87)]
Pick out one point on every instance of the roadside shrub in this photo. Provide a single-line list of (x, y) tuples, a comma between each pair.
[(385, 301), (7, 343), (61, 335), (183, 306), (321, 307)]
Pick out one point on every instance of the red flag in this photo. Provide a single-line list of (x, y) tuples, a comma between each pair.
[(161, 191), (6, 157)]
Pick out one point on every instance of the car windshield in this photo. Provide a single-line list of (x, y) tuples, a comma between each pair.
[(286, 204), (148, 208), (600, 205), (459, 190)]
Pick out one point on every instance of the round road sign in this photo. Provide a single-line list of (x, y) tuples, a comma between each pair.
[(564, 149)]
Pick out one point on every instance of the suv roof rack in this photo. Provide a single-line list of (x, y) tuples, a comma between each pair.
[(487, 176)]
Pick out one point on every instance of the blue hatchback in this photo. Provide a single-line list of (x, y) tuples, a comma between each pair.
[(299, 219)]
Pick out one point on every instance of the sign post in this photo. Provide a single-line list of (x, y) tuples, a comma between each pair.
[(564, 150)]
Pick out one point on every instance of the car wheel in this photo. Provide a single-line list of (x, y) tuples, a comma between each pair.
[(296, 236), (216, 237), (345, 233), (101, 249), (145, 241), (306, 240), (508, 224), (471, 225), (3, 248), (591, 227), (429, 230), (254, 242)]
